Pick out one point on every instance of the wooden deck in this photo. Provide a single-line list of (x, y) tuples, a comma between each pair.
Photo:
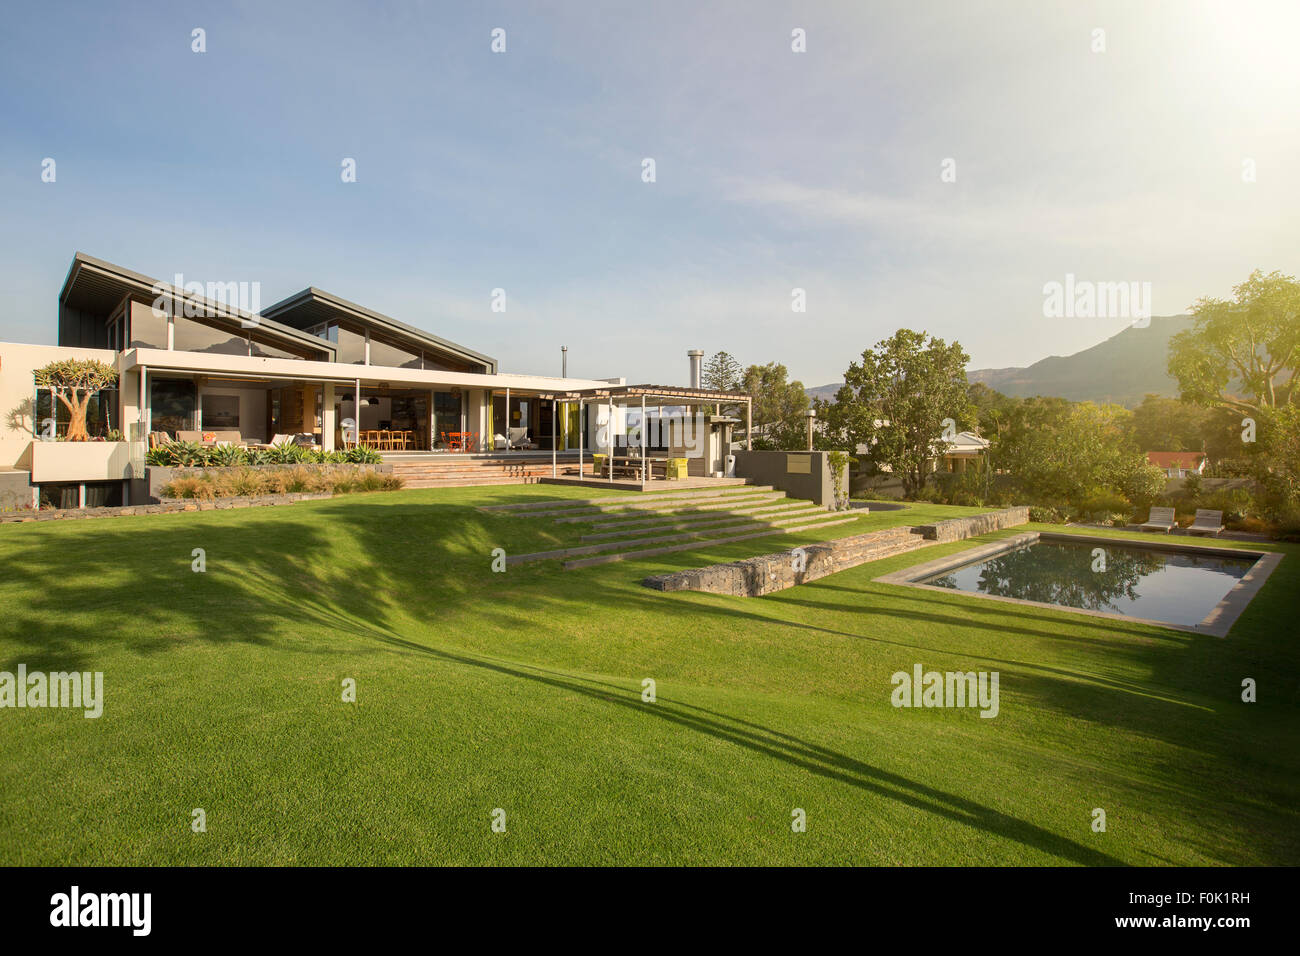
[(423, 469), (657, 485)]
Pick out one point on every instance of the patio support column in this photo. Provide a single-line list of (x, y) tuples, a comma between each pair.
[(581, 436), (609, 430), (555, 410), (356, 412), (146, 422), (749, 425), (644, 461), (505, 429), (327, 417)]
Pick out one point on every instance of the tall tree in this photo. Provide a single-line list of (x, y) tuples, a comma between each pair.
[(896, 400), (722, 372), (780, 406), (1251, 344)]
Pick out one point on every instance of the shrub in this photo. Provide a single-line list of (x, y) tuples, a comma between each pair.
[(189, 486), (1235, 503), (1106, 502), (1288, 526), (1046, 515), (1193, 486), (1139, 482)]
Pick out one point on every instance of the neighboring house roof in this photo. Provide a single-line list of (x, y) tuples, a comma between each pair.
[(96, 287), (1175, 459), (967, 443), (313, 306)]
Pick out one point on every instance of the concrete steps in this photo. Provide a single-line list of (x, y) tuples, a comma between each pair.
[(525, 509), (430, 472), (628, 507), (701, 515), (801, 520), (588, 562), (799, 509)]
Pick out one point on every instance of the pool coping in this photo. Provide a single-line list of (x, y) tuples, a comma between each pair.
[(1216, 624)]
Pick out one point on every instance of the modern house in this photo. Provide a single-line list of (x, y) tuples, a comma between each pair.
[(314, 366), (1178, 464)]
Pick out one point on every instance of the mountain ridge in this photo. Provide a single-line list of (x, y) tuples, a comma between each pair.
[(1120, 369)]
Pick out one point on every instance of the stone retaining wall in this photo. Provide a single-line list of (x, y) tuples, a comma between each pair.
[(958, 529), (167, 506), (754, 577)]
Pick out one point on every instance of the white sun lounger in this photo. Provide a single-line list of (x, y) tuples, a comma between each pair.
[(1162, 519), (1207, 522)]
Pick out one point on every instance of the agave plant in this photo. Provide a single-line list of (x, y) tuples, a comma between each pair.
[(226, 456), (362, 455), (289, 454), (185, 454)]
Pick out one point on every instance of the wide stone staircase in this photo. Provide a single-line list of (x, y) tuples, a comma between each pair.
[(429, 471), (622, 528)]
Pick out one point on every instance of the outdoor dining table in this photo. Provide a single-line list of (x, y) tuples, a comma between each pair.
[(462, 441), (632, 465)]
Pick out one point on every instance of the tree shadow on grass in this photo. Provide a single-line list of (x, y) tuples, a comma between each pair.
[(357, 565), (789, 749)]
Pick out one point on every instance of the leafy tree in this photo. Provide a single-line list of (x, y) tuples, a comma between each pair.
[(1277, 457), (990, 409), (75, 382), (780, 406), (1059, 451), (1251, 342), (1168, 424), (896, 399)]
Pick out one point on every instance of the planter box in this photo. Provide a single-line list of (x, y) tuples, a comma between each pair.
[(78, 461)]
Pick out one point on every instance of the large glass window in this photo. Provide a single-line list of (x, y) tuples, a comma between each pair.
[(195, 336), (446, 410), (264, 347), (391, 355), (172, 404), (148, 328), (101, 413), (351, 345)]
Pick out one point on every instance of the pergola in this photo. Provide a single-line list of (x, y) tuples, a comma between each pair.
[(643, 397)]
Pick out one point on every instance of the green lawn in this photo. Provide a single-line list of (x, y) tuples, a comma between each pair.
[(523, 691)]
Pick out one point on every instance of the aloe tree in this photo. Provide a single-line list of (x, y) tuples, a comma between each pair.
[(74, 382)]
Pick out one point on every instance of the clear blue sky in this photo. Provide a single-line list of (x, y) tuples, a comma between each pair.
[(522, 170)]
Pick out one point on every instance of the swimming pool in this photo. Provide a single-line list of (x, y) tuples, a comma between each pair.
[(1186, 586)]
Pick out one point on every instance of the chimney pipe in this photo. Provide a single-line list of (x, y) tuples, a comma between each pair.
[(564, 361), (695, 355)]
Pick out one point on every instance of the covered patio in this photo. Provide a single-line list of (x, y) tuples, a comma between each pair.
[(637, 436)]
